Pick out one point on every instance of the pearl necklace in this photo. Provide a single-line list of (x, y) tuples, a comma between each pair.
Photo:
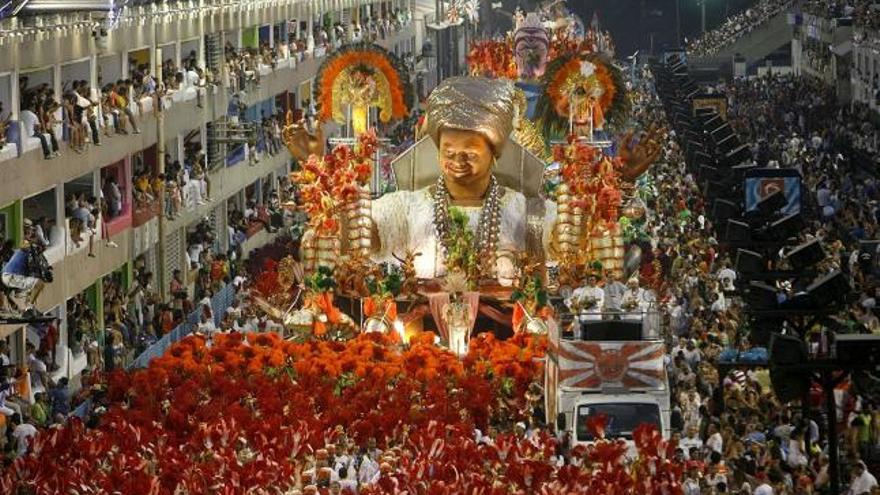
[(488, 227)]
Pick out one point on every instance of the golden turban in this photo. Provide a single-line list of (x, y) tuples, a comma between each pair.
[(474, 104)]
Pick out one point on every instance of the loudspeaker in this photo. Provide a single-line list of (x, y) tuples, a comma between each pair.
[(857, 348), (762, 327), (727, 143), (708, 173), (788, 350), (710, 118), (737, 231), (722, 132), (785, 228), (749, 262), (829, 289), (723, 209), (806, 255), (738, 155), (761, 296)]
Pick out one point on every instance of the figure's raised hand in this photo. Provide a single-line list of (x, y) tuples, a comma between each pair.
[(300, 142), (637, 159)]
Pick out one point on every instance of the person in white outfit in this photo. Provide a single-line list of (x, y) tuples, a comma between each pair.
[(863, 481), (587, 301)]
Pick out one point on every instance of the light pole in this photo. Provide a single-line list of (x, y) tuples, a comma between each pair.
[(677, 23), (160, 165), (703, 15)]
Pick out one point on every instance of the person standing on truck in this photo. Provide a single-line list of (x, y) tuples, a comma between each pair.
[(587, 301), (614, 290), (636, 298)]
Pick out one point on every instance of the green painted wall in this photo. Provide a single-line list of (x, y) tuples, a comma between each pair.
[(250, 37), (11, 219), (95, 299)]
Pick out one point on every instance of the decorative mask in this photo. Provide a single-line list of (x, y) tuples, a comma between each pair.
[(531, 48)]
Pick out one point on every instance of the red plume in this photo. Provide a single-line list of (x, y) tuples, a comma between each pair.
[(596, 425)]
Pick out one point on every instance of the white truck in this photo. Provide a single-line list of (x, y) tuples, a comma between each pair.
[(623, 379)]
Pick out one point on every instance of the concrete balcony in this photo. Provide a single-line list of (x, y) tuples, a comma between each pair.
[(31, 173), (147, 25), (225, 182), (288, 76), (77, 271)]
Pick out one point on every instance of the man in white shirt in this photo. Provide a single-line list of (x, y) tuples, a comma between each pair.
[(31, 128), (88, 115), (636, 300), (195, 80), (206, 326), (367, 471), (7, 390), (234, 310), (715, 442), (38, 370), (763, 489), (719, 302), (195, 253), (42, 230), (727, 277), (4, 354), (22, 433), (587, 301), (863, 481), (250, 213), (692, 440)]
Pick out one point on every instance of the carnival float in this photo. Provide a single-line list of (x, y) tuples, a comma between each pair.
[(514, 180), (416, 322)]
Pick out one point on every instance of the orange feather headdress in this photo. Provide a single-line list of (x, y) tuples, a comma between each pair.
[(587, 73), (352, 61)]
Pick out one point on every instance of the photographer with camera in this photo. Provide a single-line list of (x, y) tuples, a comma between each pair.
[(27, 272)]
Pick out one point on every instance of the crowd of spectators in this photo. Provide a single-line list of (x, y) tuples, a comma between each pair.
[(83, 213), (243, 67), (866, 87), (796, 121), (80, 115), (188, 77), (121, 331), (735, 27), (134, 317), (39, 116), (755, 443), (83, 332), (865, 13), (86, 114), (29, 398), (185, 186), (241, 224)]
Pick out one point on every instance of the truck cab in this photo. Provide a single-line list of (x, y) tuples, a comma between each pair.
[(611, 365)]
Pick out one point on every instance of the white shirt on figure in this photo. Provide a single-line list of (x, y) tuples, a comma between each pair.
[(22, 433)]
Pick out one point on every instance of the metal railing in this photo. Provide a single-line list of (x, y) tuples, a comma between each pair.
[(219, 303), (598, 325)]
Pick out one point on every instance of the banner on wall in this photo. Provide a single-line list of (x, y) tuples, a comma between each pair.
[(762, 182)]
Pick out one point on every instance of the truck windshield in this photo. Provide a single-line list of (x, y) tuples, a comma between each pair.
[(623, 418)]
